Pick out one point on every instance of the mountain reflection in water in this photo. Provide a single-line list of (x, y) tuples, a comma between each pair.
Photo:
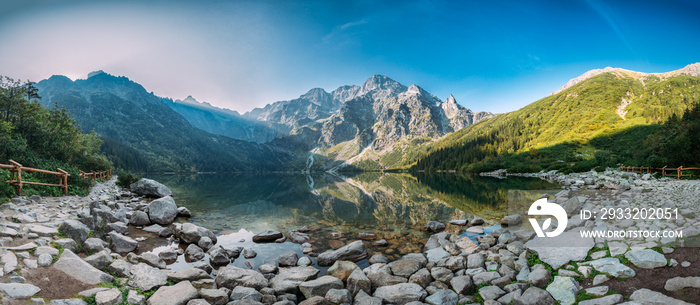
[(392, 206)]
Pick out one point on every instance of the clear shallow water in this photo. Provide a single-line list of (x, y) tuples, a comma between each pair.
[(392, 206)]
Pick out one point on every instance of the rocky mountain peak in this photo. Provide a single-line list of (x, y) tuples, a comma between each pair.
[(382, 84), (317, 96), (451, 100), (584, 76), (95, 73)]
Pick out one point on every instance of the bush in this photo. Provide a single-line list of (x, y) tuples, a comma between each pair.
[(6, 190), (126, 178)]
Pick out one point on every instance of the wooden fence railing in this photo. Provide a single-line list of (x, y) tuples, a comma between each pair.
[(16, 170), (96, 175), (665, 171), (16, 177)]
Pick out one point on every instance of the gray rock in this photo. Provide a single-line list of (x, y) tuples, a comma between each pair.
[(534, 296), (231, 276), (435, 255), (109, 297), (539, 277), (404, 267), (93, 245), (121, 243), (74, 266), (191, 233), (46, 250), (491, 292), (441, 274), (646, 296), (178, 294), (267, 236), (214, 296), (512, 220), (190, 274), (289, 278), (598, 291), (91, 292), (162, 211), (339, 296), (608, 300), (298, 237), (564, 289), (120, 268), (288, 259), (75, 230), (168, 255), (247, 293), (249, 253), (145, 277), (193, 253), (421, 277), (459, 222), (679, 283), (44, 260), (401, 293), (205, 243), (218, 256), (67, 243), (42, 230), (434, 226), (358, 281), (19, 290), (353, 251), (462, 284), (613, 267), (443, 297), (320, 286), (342, 269), (10, 262), (552, 251), (384, 279), (134, 298), (599, 279), (453, 263), (437, 241), (475, 260), (184, 212), (646, 259), (140, 218), (148, 187), (362, 298), (267, 268), (99, 260)]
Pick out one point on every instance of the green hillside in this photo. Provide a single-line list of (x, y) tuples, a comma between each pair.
[(43, 138), (577, 129)]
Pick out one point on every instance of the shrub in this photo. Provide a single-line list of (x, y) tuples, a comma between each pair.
[(126, 178)]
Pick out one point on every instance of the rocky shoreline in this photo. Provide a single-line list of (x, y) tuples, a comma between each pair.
[(93, 250)]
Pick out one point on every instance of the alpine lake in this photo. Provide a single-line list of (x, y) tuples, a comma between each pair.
[(364, 206)]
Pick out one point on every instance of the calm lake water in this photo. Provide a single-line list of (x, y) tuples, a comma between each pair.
[(392, 206)]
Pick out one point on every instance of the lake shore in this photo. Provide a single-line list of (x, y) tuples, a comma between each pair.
[(132, 243)]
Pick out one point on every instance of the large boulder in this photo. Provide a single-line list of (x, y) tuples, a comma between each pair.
[(358, 281), (152, 188), (139, 218), (613, 267), (353, 251), (564, 289), (320, 286), (231, 276), (646, 258), (19, 290), (73, 265), (401, 293), (560, 250), (267, 236), (75, 230), (191, 233), (162, 211), (122, 243), (178, 294), (145, 277), (646, 296), (342, 269), (534, 296), (289, 278)]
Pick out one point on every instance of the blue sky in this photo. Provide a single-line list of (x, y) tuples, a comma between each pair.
[(491, 55)]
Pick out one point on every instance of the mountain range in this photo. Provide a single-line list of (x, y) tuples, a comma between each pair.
[(381, 124)]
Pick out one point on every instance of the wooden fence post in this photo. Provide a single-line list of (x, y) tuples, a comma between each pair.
[(680, 172), (18, 169), (64, 181)]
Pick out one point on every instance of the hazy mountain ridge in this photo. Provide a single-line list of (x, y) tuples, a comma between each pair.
[(134, 120)]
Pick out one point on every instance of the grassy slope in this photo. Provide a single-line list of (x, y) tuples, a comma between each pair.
[(563, 124)]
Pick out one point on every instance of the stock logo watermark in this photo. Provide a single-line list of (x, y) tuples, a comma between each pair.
[(542, 207)]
